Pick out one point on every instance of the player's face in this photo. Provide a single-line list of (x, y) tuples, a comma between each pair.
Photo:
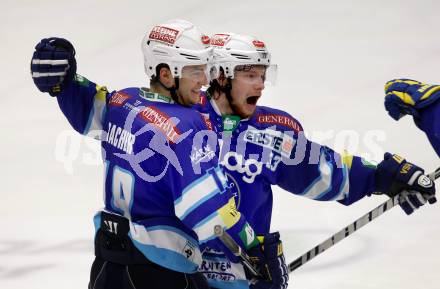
[(247, 87), (192, 79)]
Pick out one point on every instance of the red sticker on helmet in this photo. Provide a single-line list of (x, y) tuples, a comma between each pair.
[(205, 39), (219, 39), (164, 34), (258, 43)]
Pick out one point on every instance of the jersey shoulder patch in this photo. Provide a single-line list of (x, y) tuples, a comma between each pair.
[(120, 97)]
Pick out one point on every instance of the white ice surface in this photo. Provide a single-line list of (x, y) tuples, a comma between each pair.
[(334, 58)]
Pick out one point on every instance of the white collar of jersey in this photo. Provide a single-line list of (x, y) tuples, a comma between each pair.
[(145, 93)]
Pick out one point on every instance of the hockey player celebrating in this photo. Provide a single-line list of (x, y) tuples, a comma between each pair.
[(159, 212), (406, 96), (325, 174), (284, 156), (248, 130)]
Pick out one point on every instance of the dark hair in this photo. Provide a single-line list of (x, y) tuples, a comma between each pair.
[(214, 86)]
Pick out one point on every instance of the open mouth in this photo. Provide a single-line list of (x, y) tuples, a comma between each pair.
[(252, 100)]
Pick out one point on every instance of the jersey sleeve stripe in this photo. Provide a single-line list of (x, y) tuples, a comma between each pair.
[(345, 186), (205, 229), (95, 121), (195, 194), (323, 184)]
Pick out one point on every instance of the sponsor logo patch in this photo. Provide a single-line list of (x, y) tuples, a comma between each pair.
[(205, 154), (81, 80), (118, 98), (277, 141), (249, 168), (220, 39), (164, 34), (189, 250), (279, 120), (218, 270), (162, 121), (247, 235)]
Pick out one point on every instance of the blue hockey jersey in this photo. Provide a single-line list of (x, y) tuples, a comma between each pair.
[(270, 148), (150, 154), (267, 149)]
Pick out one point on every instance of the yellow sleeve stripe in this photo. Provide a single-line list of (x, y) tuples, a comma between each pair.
[(101, 92), (403, 96), (229, 213), (347, 159), (430, 91)]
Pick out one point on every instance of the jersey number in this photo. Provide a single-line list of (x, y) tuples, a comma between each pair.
[(122, 190)]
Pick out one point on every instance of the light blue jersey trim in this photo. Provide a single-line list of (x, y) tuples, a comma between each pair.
[(316, 195), (198, 203), (89, 121), (203, 222), (329, 187), (173, 229), (166, 258), (343, 184), (189, 187), (97, 222)]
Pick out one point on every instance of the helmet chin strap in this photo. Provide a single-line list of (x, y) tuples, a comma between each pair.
[(227, 91)]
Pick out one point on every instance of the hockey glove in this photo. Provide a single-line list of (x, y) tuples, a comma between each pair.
[(406, 96), (395, 175), (269, 259), (53, 65)]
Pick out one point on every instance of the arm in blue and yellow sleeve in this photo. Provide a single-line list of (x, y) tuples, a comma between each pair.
[(321, 174), (361, 178), (83, 103)]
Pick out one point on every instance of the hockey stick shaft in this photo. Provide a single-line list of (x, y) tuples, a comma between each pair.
[(235, 249), (347, 231)]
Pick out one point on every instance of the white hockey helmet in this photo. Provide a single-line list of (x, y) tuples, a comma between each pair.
[(234, 50), (177, 43)]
